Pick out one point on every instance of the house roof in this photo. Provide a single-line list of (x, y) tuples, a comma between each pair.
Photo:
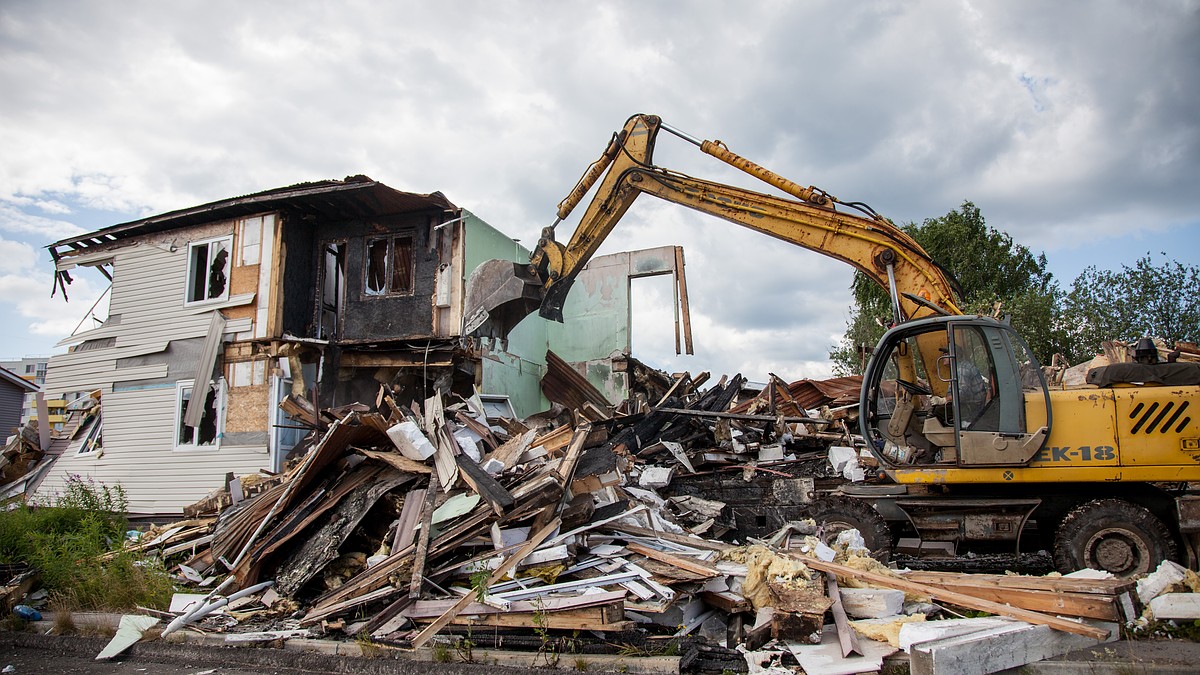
[(9, 376), (354, 196)]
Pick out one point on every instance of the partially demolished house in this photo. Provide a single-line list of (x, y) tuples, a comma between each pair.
[(327, 290)]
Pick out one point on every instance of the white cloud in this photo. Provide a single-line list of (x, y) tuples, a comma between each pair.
[(1065, 122), (25, 289)]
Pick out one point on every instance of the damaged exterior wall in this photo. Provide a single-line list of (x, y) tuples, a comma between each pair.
[(324, 290), (136, 359), (596, 328), (233, 293)]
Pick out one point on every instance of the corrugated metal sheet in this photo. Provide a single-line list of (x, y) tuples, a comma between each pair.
[(834, 392), (564, 385)]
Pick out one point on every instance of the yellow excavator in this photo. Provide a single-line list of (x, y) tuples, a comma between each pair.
[(954, 408)]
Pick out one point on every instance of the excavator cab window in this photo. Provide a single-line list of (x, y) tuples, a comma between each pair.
[(954, 391)]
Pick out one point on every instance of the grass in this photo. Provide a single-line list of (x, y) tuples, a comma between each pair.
[(65, 538)]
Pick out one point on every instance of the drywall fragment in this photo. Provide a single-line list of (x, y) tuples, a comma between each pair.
[(128, 632), (1176, 606), (770, 453), (680, 455), (411, 441), (826, 658), (458, 505), (1089, 573), (655, 477), (469, 442), (1154, 584), (872, 603)]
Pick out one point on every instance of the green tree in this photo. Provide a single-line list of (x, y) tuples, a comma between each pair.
[(1147, 299), (988, 265)]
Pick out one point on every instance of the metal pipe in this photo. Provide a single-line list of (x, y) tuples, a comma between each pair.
[(207, 608), (682, 134)]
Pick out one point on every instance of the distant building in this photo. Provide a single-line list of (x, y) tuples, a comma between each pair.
[(13, 390)]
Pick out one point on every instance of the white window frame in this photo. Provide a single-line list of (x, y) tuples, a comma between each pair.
[(188, 287), (86, 445), (180, 387)]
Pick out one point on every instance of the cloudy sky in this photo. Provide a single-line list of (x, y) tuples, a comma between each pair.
[(1073, 125)]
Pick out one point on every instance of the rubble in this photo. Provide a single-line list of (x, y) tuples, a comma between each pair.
[(625, 526)]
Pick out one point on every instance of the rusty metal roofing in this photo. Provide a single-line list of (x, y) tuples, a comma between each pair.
[(352, 197), (835, 392)]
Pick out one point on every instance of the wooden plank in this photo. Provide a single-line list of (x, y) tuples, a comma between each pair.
[(847, 638), (396, 460), (555, 440), (681, 539), (484, 485), (418, 572), (567, 468), (410, 513), (958, 599), (685, 317), (726, 601), (1063, 584), (683, 562), (442, 621), (511, 451), (1087, 605)]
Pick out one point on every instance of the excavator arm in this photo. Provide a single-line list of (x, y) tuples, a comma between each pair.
[(873, 245)]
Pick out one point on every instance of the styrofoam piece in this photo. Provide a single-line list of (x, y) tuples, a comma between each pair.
[(1152, 585), (872, 603), (411, 441)]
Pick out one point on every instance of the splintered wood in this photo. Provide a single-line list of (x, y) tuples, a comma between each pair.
[(406, 521)]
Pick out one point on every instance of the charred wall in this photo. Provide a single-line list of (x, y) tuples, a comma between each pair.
[(383, 313)]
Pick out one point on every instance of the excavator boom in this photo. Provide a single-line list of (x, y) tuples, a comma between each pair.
[(500, 295)]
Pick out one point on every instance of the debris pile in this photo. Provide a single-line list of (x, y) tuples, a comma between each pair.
[(398, 524)]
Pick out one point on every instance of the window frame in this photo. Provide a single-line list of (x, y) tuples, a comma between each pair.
[(389, 271), (190, 275), (338, 247), (219, 404)]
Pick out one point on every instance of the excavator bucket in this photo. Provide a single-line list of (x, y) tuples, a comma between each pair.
[(500, 293)]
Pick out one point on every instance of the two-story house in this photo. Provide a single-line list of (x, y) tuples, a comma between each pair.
[(328, 290)]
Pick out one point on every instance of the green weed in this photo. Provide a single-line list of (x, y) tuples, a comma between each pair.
[(67, 539)]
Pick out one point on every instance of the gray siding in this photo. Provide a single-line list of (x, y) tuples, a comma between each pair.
[(12, 401), (147, 313)]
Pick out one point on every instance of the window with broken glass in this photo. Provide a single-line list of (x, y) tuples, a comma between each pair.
[(207, 433), (333, 280), (208, 270), (389, 267)]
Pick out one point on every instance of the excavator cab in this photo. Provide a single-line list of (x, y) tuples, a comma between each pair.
[(954, 391)]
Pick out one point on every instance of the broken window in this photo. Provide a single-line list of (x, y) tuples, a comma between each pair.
[(389, 265), (93, 438), (205, 434), (208, 265), (333, 280)]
